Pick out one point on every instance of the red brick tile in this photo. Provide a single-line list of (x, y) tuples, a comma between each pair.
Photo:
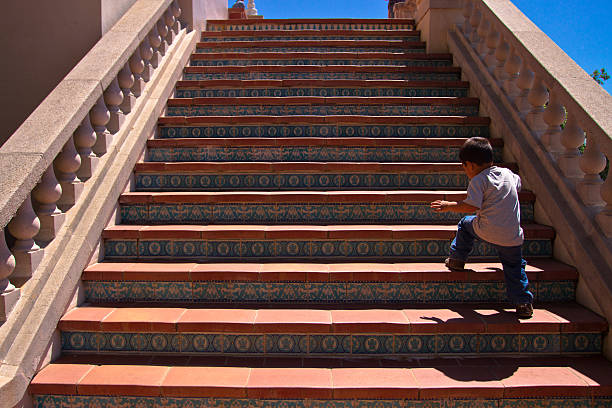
[(293, 271), (159, 271), (301, 232), (293, 321), (226, 271), (350, 232), (171, 232), (374, 383), (84, 318), (594, 371), (456, 320), (123, 380), (143, 319), (234, 232), (369, 321), (576, 318), (122, 232), (457, 382), (500, 320), (59, 379), (542, 382), (206, 382), (217, 320), (279, 383)]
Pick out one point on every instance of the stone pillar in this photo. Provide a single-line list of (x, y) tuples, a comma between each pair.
[(66, 165), (113, 97), (84, 139), (435, 18), (100, 115), (23, 227), (45, 196), (9, 295)]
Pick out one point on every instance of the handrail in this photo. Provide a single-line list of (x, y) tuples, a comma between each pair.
[(45, 163)]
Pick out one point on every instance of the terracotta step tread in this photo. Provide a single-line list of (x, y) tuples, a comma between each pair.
[(511, 378), (371, 197), (305, 232), (280, 33), (312, 141), (321, 56), (319, 68), (537, 270), (285, 21), (306, 167), (316, 83), (311, 43), (266, 120), (324, 100), (422, 319)]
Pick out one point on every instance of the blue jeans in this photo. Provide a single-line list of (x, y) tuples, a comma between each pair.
[(517, 284)]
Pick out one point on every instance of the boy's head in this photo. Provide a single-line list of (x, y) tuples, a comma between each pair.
[(476, 154)]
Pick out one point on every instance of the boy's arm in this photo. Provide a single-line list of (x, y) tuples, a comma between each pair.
[(453, 206)]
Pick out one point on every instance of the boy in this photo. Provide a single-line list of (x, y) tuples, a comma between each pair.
[(493, 195)]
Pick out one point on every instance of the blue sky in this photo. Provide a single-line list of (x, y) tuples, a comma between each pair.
[(582, 28)]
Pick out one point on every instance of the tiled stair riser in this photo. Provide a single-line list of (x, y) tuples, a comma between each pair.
[(297, 181), (269, 37), (395, 131), (288, 293), (44, 401), (309, 26), (296, 250), (298, 213), (283, 110), (408, 76), (312, 345), (309, 153), (359, 92), (202, 49), (407, 62)]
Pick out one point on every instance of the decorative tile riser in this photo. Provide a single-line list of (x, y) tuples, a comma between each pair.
[(324, 62), (331, 50), (297, 181), (308, 26), (324, 75), (311, 345), (296, 250), (408, 38), (310, 154), (283, 92), (57, 401), (295, 213), (394, 131), (238, 293), (321, 110)]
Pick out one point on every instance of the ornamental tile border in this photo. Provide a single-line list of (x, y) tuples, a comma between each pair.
[(414, 76), (307, 26), (323, 62), (268, 37), (327, 92), (202, 49)]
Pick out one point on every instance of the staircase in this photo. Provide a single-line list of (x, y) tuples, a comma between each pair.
[(278, 248)]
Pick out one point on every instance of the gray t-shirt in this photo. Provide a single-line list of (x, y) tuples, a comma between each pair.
[(495, 192)]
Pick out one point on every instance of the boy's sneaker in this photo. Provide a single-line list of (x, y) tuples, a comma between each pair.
[(524, 310), (454, 265)]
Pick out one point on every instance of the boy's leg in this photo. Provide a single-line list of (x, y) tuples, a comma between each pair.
[(464, 240), (517, 284)]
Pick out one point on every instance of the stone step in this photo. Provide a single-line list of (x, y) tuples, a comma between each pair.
[(407, 331), (318, 46), (153, 381), (331, 243), (320, 88), (320, 58), (310, 149), (331, 126), (310, 284), (283, 176), (328, 72), (309, 35), (375, 25), (316, 105), (345, 207)]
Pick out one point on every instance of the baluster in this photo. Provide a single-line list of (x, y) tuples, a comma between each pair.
[(137, 66), (146, 52), (23, 227), (155, 41), (483, 31), (66, 164), (572, 138), (251, 10), (175, 8), (113, 97), (9, 295), (474, 23), (554, 115), (126, 82), (537, 97), (163, 32), (512, 68), (170, 22), (592, 162), (45, 196), (99, 116), (604, 218), (492, 43), (524, 82), (84, 139), (501, 56), (467, 13)]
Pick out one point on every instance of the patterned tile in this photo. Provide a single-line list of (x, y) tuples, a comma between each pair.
[(499, 343), (308, 26), (203, 49), (416, 344), (330, 344), (457, 343), (409, 76), (261, 37), (581, 342), (372, 344), (284, 92), (548, 291), (407, 62)]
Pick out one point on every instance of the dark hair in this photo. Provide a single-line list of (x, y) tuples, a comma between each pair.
[(476, 150)]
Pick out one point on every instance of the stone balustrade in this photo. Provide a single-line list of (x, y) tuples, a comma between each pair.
[(46, 163)]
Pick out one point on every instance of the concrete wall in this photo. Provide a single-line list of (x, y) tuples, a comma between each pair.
[(41, 42)]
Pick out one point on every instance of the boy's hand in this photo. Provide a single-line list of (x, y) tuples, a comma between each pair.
[(442, 205)]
